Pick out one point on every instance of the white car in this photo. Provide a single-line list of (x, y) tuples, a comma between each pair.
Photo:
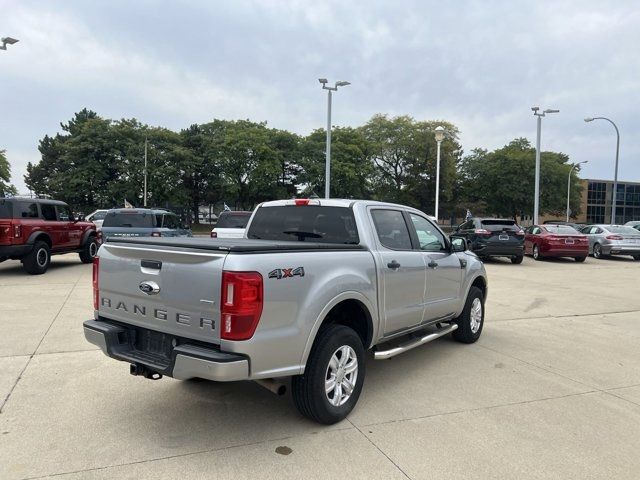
[(97, 217), (231, 224)]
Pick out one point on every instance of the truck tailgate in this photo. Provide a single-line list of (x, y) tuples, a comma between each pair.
[(168, 289)]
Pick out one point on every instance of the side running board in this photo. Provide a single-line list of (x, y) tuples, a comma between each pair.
[(413, 343)]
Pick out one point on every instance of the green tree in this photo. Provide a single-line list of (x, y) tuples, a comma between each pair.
[(5, 176), (351, 168), (502, 182)]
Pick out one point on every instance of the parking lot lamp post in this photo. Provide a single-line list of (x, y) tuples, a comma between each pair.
[(7, 41), (327, 171), (615, 178), (569, 184), (536, 199), (439, 137)]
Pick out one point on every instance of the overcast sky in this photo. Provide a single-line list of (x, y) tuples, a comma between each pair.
[(478, 64)]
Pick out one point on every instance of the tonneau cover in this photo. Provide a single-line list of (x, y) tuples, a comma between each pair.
[(239, 245)]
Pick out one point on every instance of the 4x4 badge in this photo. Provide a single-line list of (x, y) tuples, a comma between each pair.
[(150, 288), (279, 273)]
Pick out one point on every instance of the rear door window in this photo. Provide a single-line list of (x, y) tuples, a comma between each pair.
[(131, 219), (48, 212), (6, 210), (233, 220), (308, 223), (391, 229), (25, 210)]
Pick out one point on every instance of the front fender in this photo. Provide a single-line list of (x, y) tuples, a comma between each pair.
[(86, 235)]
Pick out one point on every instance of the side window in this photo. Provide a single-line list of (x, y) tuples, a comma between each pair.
[(170, 221), (596, 230), (48, 212), (392, 229), (431, 240), (64, 213), (27, 210), (536, 231)]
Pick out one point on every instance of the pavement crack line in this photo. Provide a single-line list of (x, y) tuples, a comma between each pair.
[(6, 399), (571, 315), (379, 449)]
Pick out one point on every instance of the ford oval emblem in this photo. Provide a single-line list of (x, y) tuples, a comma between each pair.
[(150, 288)]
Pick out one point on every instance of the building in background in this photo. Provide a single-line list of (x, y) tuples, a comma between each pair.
[(596, 204)]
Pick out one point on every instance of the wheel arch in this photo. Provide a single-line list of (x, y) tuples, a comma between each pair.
[(39, 236), (351, 309), (85, 237)]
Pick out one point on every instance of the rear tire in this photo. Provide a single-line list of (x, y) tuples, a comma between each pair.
[(517, 260), (89, 250), (580, 259), (636, 257), (471, 320), (37, 261), (333, 344), (597, 251), (536, 253)]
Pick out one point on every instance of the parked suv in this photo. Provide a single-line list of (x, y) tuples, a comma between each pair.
[(231, 224), (142, 222), (31, 230), (493, 237)]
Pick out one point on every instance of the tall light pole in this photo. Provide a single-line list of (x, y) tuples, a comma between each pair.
[(536, 200), (615, 178), (439, 137), (327, 170), (7, 41), (145, 171), (569, 184)]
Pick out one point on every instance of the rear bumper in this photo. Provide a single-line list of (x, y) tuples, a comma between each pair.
[(621, 249), (183, 361), (497, 250), (15, 251), (562, 251)]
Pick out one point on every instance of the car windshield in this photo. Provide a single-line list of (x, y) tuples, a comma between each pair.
[(311, 223), (623, 230), (233, 220), (5, 209), (560, 229), (132, 219), (494, 225)]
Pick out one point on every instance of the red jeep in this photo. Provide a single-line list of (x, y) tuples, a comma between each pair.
[(33, 229)]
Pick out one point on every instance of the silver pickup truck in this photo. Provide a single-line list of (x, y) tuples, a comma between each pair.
[(313, 286)]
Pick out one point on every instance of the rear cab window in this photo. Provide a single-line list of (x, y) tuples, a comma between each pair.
[(132, 219), (308, 223), (561, 229)]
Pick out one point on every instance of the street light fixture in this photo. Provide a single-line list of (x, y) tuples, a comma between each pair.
[(7, 41), (615, 178), (439, 137), (569, 184), (536, 200), (339, 83)]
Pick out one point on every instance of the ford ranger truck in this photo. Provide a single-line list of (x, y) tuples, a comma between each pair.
[(313, 286)]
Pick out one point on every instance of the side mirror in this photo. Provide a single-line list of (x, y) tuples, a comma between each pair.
[(458, 244)]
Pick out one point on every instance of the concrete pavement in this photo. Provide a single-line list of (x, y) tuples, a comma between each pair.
[(551, 390)]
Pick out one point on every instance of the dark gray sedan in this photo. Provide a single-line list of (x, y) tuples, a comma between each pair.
[(605, 240)]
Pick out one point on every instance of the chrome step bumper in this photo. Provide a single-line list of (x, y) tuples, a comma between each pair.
[(413, 343)]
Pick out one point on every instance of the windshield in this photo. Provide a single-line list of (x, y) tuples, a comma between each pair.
[(5, 209), (132, 219), (310, 223), (623, 230), (560, 229), (233, 220)]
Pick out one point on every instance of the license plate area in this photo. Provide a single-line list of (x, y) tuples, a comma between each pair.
[(153, 343), (569, 241), (503, 236)]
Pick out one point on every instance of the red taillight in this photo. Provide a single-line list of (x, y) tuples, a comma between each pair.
[(302, 201), (483, 232), (17, 231), (615, 237), (241, 305), (96, 290), (156, 234), (214, 235)]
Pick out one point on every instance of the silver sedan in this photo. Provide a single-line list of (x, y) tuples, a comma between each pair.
[(605, 240)]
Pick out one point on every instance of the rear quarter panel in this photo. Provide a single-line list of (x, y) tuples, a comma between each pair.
[(294, 307)]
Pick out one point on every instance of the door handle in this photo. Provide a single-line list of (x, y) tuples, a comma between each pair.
[(393, 265), (433, 264)]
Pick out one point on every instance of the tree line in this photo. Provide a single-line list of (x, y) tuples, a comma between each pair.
[(97, 163)]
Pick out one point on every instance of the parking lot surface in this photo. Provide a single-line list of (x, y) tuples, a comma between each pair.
[(551, 390)]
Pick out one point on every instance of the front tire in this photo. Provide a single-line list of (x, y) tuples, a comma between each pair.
[(37, 260), (471, 320), (89, 250), (597, 251), (333, 378), (636, 257)]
